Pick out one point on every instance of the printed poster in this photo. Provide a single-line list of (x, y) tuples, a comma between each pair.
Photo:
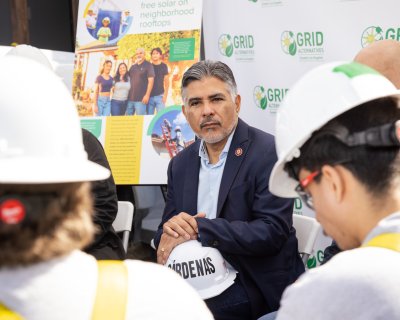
[(129, 60)]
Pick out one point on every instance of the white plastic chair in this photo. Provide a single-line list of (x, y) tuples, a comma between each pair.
[(123, 221), (307, 229)]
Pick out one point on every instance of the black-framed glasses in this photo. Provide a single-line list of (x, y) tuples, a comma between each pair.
[(305, 196)]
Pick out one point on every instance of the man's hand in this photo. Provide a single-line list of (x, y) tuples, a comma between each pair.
[(183, 225), (167, 244)]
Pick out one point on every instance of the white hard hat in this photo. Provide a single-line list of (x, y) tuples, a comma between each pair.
[(106, 19), (203, 268), (319, 96), (26, 51), (178, 128), (40, 134)]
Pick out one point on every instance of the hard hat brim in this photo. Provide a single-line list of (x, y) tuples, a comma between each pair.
[(216, 290), (44, 171)]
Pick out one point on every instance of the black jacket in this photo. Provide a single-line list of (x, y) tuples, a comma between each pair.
[(107, 244)]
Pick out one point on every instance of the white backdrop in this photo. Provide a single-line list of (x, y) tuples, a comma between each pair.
[(269, 44)]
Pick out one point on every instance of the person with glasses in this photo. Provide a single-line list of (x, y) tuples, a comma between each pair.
[(384, 57), (344, 161)]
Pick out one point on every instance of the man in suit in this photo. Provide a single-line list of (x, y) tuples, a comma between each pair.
[(218, 194)]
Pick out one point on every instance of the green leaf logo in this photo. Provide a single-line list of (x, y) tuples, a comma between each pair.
[(229, 51), (225, 45), (260, 98), (288, 43), (370, 35), (292, 49)]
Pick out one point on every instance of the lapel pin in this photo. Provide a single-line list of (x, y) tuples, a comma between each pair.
[(238, 152)]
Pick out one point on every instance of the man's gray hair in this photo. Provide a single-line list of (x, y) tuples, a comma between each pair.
[(209, 68)]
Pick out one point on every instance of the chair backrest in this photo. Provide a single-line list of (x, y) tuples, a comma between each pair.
[(123, 221), (307, 229)]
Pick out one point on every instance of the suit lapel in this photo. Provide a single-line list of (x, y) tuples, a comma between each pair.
[(236, 154), (191, 181)]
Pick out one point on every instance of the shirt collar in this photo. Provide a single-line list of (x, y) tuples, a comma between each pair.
[(203, 150)]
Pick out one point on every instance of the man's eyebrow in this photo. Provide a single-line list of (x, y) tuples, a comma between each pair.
[(217, 95), (210, 97), (195, 99)]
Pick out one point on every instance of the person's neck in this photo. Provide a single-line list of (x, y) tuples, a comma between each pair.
[(378, 210), (156, 62), (140, 62), (214, 150)]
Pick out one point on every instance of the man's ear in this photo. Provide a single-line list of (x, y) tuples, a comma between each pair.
[(336, 181), (238, 101), (184, 111)]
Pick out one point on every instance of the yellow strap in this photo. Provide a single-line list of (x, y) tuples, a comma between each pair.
[(385, 240), (112, 291), (7, 314)]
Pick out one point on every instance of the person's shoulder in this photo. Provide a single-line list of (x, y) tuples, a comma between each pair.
[(147, 64), (342, 288), (259, 134), (152, 283), (164, 66)]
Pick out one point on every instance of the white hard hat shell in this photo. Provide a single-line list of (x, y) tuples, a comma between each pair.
[(27, 51), (319, 96), (203, 268), (40, 134)]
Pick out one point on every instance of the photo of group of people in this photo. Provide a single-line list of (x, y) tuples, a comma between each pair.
[(106, 22), (132, 77), (140, 90)]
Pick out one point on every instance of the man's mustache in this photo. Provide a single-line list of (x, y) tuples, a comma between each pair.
[(208, 121)]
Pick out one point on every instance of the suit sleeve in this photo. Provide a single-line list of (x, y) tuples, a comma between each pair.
[(255, 222)]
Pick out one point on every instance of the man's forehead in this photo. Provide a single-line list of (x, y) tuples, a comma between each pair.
[(207, 87)]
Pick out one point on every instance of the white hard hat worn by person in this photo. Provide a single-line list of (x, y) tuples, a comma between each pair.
[(53, 151), (203, 268), (41, 153), (319, 96), (27, 51)]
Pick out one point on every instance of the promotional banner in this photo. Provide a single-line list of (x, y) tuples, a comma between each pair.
[(129, 60), (269, 44)]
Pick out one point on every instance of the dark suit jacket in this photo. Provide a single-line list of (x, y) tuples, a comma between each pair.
[(253, 229)]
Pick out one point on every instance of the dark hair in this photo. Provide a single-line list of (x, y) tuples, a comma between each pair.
[(117, 76), (59, 222), (375, 167), (104, 64), (156, 49), (209, 68)]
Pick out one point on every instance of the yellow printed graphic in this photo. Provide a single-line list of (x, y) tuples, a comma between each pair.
[(123, 145)]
